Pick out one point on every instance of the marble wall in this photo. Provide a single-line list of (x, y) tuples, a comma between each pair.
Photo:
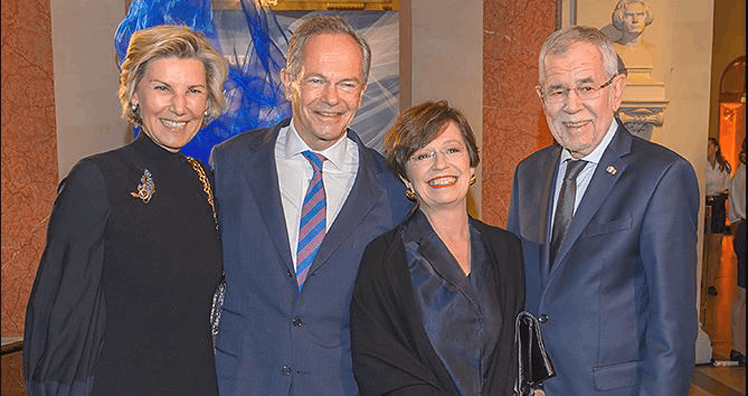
[(29, 150), (513, 122)]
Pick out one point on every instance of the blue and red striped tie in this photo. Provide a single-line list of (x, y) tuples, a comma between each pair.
[(313, 219)]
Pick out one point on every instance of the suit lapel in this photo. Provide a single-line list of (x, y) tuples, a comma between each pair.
[(364, 195), (262, 181), (598, 190), (548, 177)]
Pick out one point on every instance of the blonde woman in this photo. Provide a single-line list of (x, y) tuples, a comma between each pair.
[(122, 297)]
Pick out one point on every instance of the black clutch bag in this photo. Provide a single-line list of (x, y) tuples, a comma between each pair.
[(534, 365)]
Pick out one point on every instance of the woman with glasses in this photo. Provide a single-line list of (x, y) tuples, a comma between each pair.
[(434, 304)]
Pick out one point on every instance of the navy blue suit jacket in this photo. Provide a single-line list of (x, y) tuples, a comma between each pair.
[(619, 302), (274, 340)]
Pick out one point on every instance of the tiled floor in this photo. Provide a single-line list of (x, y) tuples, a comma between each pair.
[(722, 381)]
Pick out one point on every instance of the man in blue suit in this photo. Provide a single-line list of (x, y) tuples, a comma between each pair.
[(290, 268), (609, 242)]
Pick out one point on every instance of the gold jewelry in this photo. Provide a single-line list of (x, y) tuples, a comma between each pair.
[(473, 179), (410, 193), (146, 188), (206, 185)]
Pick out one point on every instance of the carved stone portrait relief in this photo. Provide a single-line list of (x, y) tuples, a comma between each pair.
[(644, 97), (631, 18)]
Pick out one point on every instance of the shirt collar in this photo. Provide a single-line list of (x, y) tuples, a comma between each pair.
[(294, 146), (597, 153)]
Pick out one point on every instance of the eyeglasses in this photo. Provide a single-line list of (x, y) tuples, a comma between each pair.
[(429, 157), (584, 92)]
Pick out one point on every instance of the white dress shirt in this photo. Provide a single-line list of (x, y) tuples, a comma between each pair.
[(716, 180), (584, 177), (294, 173)]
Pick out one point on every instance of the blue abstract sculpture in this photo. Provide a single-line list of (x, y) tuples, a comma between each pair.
[(253, 89)]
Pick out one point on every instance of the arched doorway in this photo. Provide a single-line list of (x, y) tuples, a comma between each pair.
[(732, 110)]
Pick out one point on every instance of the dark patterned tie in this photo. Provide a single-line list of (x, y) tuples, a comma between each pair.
[(565, 206), (313, 219)]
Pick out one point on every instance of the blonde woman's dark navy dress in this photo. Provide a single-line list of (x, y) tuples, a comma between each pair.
[(122, 297)]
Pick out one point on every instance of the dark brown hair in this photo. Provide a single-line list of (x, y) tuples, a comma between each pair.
[(724, 166), (418, 126)]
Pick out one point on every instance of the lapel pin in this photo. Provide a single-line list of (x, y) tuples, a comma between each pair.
[(610, 169), (146, 188)]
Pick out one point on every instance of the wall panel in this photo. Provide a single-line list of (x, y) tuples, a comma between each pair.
[(29, 150), (513, 122)]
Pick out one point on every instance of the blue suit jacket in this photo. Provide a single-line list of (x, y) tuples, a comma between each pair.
[(620, 298), (274, 340)]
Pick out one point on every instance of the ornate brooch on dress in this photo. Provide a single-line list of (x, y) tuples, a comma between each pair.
[(146, 188)]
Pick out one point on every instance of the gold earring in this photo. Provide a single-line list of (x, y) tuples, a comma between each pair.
[(473, 179), (410, 193)]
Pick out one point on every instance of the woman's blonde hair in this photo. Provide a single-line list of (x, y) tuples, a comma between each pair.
[(170, 41)]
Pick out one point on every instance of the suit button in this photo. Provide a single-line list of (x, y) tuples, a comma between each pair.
[(286, 370), (297, 322), (543, 318), (290, 275)]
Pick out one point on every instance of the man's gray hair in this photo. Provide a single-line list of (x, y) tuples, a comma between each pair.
[(323, 25), (561, 40)]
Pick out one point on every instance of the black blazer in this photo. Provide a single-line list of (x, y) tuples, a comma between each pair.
[(392, 354)]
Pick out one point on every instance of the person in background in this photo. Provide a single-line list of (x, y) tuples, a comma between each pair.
[(124, 290), (435, 300), (717, 184), (737, 225), (298, 203), (608, 225)]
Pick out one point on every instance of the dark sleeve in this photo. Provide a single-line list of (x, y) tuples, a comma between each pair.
[(391, 353), (506, 255), (65, 314)]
